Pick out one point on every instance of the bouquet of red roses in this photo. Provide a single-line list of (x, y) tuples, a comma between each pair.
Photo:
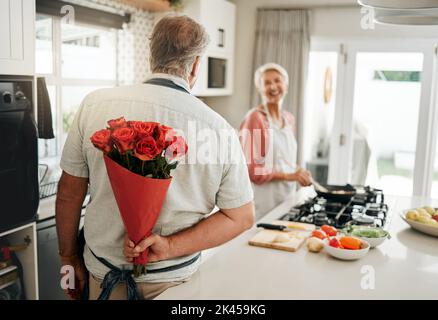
[(139, 157)]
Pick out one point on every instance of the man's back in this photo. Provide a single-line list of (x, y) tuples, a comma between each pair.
[(198, 185)]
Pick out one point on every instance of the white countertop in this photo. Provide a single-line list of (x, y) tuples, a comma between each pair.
[(406, 267), (46, 208)]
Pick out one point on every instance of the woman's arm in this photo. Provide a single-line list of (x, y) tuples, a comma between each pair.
[(303, 177), (254, 139)]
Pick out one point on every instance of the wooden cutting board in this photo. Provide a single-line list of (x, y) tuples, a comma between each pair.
[(270, 238)]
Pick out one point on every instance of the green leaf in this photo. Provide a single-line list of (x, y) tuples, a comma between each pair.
[(173, 165)]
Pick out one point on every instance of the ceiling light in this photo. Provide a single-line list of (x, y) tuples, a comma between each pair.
[(403, 12)]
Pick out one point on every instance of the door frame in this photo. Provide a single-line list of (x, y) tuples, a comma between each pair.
[(331, 45)]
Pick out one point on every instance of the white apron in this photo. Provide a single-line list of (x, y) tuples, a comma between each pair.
[(284, 154)]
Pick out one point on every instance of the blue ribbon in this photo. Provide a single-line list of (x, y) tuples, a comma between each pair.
[(112, 278)]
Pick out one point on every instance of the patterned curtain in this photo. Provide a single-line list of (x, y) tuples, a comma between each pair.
[(283, 37)]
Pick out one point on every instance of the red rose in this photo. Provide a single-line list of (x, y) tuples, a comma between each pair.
[(117, 123), (146, 149), (144, 129), (102, 140), (124, 138), (131, 123), (177, 149), (166, 136)]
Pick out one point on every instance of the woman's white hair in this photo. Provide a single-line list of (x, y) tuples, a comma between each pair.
[(266, 67)]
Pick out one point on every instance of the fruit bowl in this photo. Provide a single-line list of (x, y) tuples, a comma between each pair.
[(346, 254), (419, 226)]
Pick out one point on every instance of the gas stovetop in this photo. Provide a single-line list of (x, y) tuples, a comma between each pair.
[(366, 207)]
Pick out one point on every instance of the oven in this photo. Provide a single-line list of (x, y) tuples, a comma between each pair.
[(19, 190)]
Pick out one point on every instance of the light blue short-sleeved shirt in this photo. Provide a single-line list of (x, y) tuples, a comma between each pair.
[(205, 178)]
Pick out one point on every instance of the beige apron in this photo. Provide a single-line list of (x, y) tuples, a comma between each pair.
[(284, 157)]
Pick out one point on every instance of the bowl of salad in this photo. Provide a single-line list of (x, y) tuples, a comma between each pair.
[(373, 235)]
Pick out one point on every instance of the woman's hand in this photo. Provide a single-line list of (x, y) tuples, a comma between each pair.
[(303, 177), (159, 248)]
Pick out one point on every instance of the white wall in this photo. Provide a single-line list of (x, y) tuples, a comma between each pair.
[(337, 22)]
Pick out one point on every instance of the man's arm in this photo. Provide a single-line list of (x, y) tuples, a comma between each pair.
[(70, 197), (213, 231)]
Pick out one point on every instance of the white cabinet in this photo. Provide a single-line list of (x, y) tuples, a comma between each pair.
[(17, 36), (27, 257), (219, 19)]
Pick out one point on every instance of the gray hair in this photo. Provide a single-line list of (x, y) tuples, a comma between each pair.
[(175, 44), (267, 67)]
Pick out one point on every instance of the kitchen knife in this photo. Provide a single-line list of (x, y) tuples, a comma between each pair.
[(278, 227)]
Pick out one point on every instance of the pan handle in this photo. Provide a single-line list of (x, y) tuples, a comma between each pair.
[(343, 209)]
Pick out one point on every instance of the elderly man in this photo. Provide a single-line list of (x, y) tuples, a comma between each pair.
[(185, 226)]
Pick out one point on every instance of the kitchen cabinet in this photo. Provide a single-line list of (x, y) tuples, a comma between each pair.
[(27, 258), (218, 19), (217, 66), (17, 34)]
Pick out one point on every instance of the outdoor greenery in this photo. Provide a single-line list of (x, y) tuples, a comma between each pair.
[(387, 167), (404, 76)]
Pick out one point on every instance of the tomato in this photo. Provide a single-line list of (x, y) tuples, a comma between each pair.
[(334, 242), (329, 230), (319, 234), (351, 243)]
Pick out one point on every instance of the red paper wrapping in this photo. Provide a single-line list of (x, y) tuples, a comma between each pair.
[(139, 200)]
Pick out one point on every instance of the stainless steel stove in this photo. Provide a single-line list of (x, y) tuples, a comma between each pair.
[(366, 207)]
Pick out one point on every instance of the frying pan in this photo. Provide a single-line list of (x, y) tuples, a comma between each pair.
[(348, 191)]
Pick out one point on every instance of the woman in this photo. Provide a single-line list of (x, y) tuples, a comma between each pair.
[(267, 135)]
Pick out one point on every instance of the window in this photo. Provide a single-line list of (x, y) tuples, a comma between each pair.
[(75, 60)]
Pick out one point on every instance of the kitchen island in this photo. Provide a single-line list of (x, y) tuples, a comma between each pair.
[(404, 267)]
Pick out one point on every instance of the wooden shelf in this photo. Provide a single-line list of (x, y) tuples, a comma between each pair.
[(148, 5)]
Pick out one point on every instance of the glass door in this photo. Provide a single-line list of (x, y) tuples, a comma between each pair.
[(386, 107), (387, 99)]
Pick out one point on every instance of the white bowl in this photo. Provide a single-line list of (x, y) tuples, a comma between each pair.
[(374, 242), (346, 254), (425, 228)]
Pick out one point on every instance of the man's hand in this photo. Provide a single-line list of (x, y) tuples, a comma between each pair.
[(80, 276), (210, 232), (159, 248)]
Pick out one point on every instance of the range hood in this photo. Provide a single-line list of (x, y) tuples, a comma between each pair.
[(404, 12)]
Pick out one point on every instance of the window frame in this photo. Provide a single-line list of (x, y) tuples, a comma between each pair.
[(58, 81)]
